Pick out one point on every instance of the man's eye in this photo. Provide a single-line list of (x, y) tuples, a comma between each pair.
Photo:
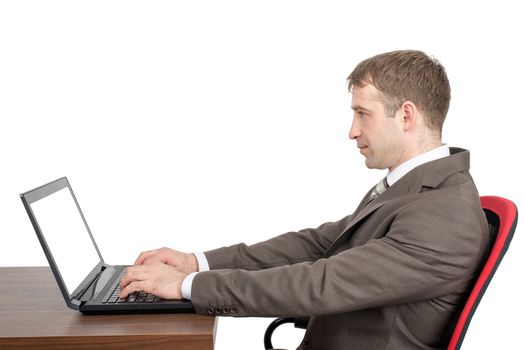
[(361, 114)]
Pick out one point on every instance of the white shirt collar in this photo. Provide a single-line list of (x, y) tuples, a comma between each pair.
[(407, 166)]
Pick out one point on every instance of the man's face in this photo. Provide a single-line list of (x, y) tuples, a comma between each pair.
[(379, 136)]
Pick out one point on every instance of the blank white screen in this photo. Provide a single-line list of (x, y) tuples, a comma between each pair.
[(67, 237)]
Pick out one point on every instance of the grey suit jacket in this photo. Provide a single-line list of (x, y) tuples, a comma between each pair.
[(393, 275)]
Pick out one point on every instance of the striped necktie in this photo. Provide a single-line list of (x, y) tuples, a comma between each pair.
[(378, 189)]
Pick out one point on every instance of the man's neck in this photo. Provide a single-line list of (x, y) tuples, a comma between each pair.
[(421, 145), (434, 153)]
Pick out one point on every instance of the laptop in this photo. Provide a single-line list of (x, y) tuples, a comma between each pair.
[(87, 283)]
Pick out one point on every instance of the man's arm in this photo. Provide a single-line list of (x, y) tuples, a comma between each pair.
[(430, 250), (168, 273), (289, 248)]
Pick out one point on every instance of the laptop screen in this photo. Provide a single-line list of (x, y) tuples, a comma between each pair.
[(67, 236)]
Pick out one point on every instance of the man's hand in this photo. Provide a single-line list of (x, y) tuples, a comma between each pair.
[(162, 280), (182, 261)]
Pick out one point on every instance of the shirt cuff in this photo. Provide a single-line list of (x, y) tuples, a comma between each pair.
[(187, 283), (203, 265)]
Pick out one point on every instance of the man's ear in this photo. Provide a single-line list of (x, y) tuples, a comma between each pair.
[(409, 115)]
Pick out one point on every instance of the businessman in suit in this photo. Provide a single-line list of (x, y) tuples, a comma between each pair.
[(392, 275)]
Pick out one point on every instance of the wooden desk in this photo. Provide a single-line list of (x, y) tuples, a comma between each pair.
[(33, 315)]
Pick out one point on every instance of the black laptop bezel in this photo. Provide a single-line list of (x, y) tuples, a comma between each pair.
[(73, 298)]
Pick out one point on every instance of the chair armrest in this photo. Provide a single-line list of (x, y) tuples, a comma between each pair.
[(299, 322)]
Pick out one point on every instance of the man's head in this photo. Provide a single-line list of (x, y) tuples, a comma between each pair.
[(400, 100)]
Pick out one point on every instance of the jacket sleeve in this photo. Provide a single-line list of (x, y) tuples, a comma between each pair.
[(289, 248), (431, 249)]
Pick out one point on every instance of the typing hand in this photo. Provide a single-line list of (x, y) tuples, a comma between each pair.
[(162, 280), (182, 261)]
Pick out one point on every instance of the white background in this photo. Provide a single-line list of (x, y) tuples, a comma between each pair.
[(208, 123)]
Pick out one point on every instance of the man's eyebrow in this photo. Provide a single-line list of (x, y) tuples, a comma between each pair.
[(357, 107)]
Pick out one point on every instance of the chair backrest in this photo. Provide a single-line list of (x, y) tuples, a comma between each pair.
[(502, 217)]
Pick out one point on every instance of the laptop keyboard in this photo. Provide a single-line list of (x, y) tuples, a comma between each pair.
[(136, 297)]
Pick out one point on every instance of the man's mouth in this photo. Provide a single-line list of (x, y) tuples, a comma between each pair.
[(362, 148)]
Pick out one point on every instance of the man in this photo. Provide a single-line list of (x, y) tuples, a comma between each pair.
[(395, 273)]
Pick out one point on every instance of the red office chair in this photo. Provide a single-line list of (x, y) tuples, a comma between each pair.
[(502, 218)]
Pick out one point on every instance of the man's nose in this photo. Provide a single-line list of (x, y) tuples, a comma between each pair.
[(354, 131)]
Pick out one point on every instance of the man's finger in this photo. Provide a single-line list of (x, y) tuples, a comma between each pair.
[(133, 274), (143, 256), (130, 288)]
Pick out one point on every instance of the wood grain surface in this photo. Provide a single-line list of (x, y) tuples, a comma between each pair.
[(33, 315)]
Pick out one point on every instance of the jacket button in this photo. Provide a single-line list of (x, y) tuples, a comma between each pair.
[(233, 309), (307, 344), (211, 311), (225, 310)]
